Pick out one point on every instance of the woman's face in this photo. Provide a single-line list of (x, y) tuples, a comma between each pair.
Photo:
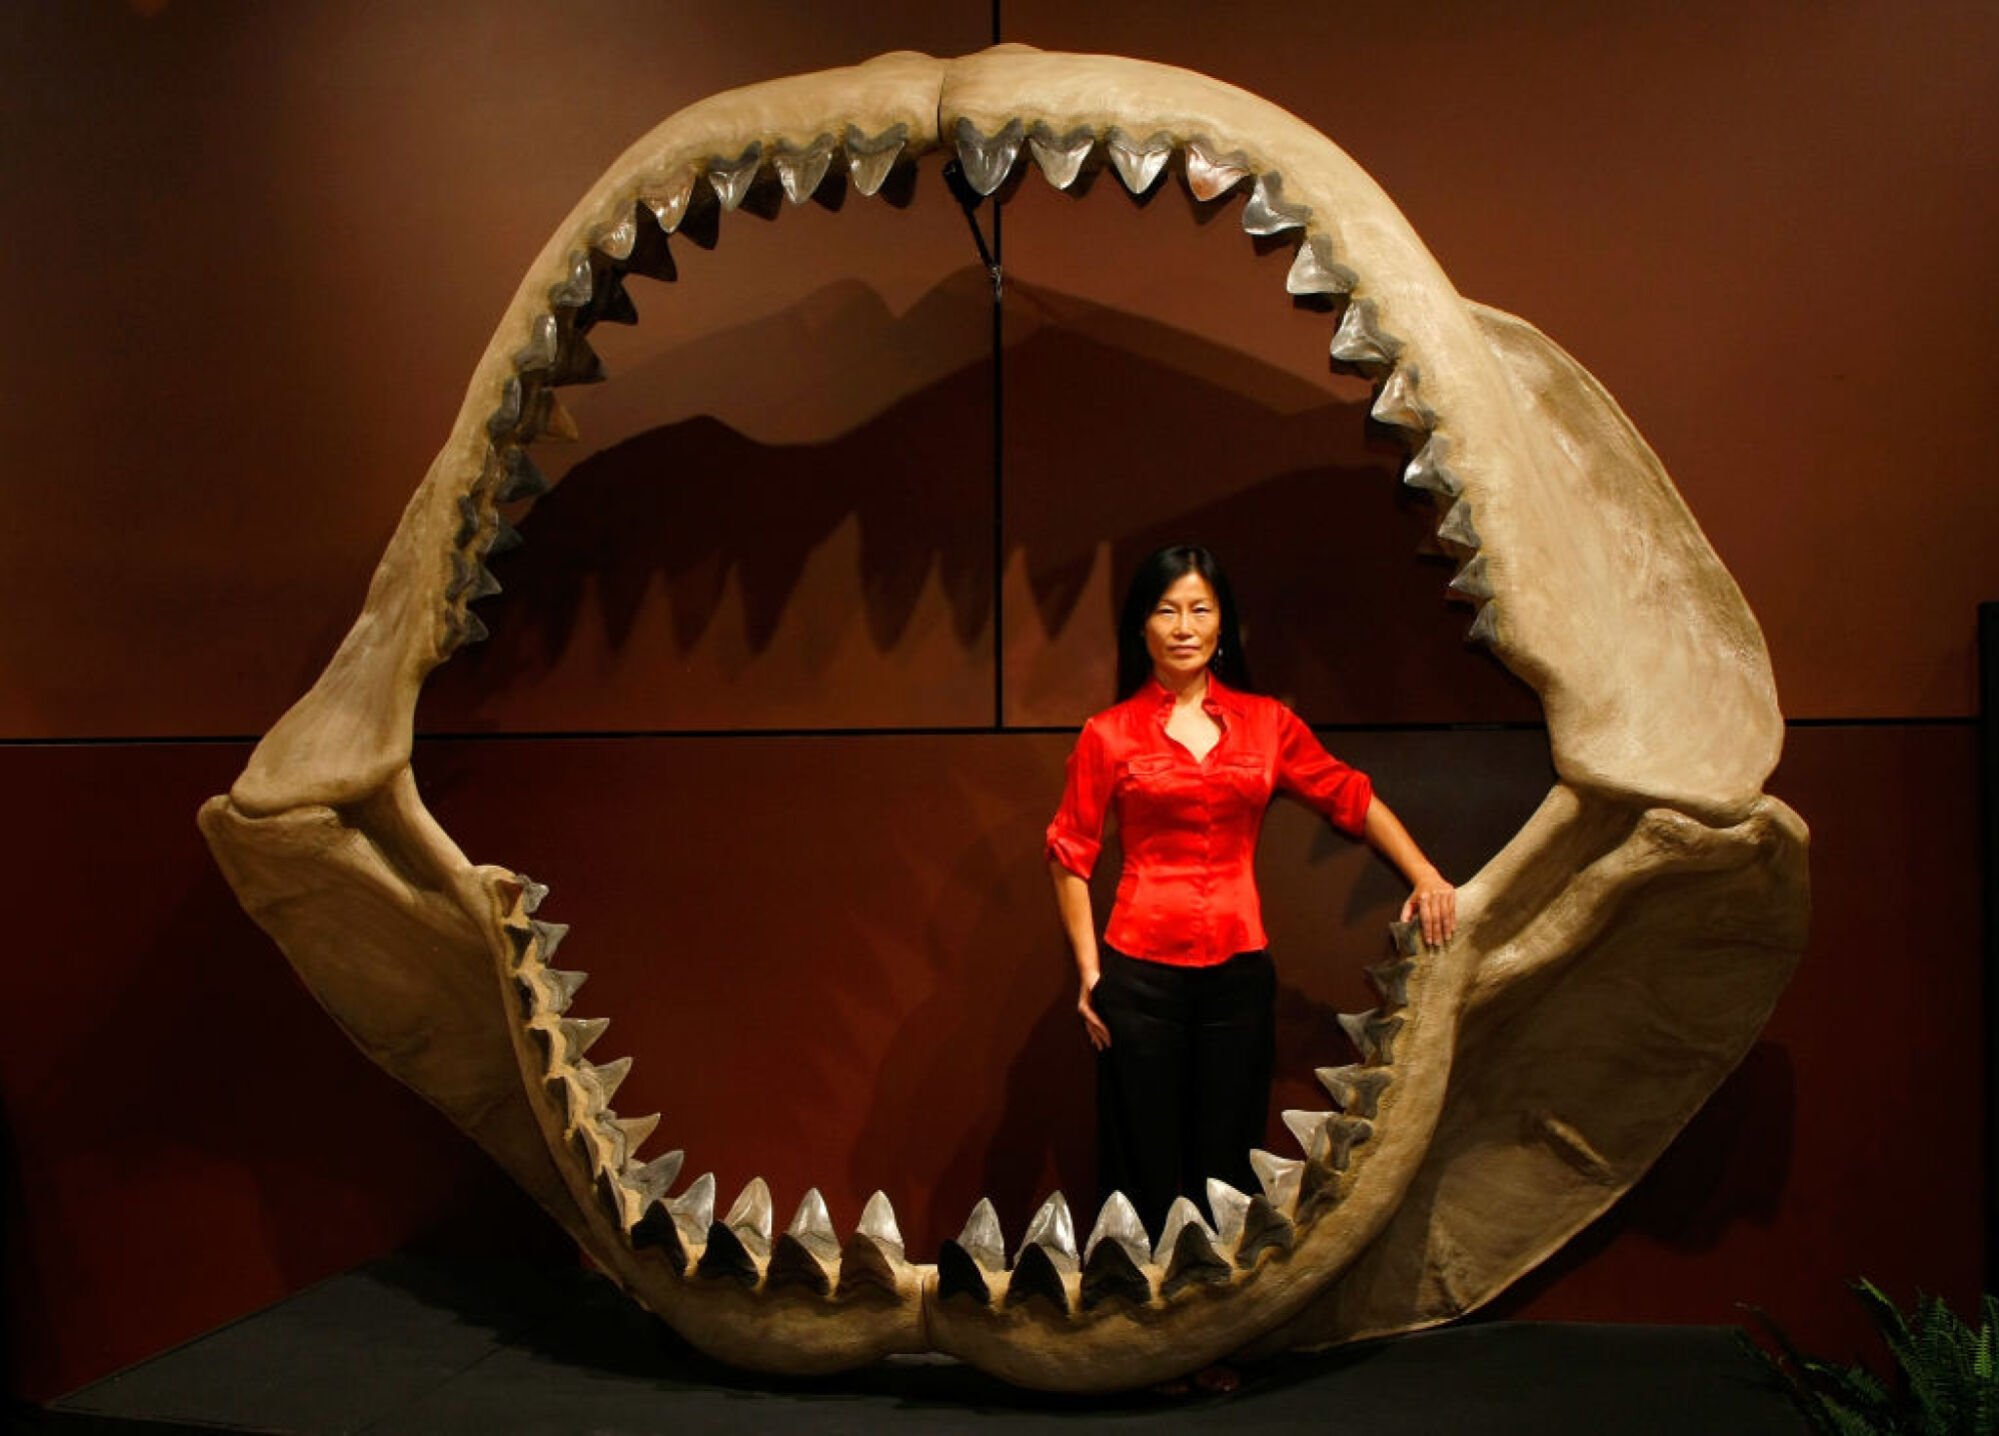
[(1181, 632)]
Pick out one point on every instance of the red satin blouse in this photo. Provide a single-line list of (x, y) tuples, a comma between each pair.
[(1187, 895)]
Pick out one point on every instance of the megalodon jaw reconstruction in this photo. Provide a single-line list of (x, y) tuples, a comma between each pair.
[(1614, 961)]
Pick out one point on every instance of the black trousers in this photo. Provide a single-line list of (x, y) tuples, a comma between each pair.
[(1183, 1091)]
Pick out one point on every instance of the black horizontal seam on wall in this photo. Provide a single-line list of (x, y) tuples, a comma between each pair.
[(938, 731)]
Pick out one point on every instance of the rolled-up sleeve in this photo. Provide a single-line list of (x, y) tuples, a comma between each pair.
[(1077, 832), (1321, 781)]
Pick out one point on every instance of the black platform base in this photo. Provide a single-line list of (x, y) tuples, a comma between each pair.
[(429, 1348)]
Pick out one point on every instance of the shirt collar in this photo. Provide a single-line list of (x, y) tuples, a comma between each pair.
[(1220, 696)]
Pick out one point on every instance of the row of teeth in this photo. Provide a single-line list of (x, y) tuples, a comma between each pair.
[(557, 352), (1119, 1262)]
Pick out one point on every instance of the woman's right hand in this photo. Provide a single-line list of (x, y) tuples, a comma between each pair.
[(1100, 1035)]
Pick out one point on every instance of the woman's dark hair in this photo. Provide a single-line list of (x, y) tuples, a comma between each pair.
[(1157, 573)]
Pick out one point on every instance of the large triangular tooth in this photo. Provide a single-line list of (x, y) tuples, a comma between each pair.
[(1373, 1035), (520, 477), (609, 1077), (1485, 628), (750, 1214), (613, 304), (1118, 1222), (552, 420), (1137, 162), (1399, 404), (982, 1238), (544, 343), (1038, 1273), (467, 627), (800, 171), (1210, 176), (656, 1229), (1264, 1228), (507, 415), (574, 289), (1473, 582), (1391, 980), (869, 160), (471, 520), (957, 1275), (637, 1129), (1407, 937), (1315, 271), (812, 1225), (669, 202), (1060, 158), (987, 159), (1306, 1127), (732, 178), (1280, 1176), (693, 1211), (561, 985), (653, 1180), (1337, 1140), (1267, 211), (878, 1224), (506, 537), (1357, 1089), (483, 585), (1192, 1260), (533, 894), (1110, 1273), (1227, 1206), (1182, 1213), (1054, 1229), (1359, 339), (615, 240), (578, 363), (1457, 530), (808, 1253), (580, 1034), (614, 1199), (727, 1254), (548, 937)]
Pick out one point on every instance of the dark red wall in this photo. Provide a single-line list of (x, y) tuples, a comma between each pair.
[(257, 252)]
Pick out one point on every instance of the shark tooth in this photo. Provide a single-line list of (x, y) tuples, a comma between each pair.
[(574, 289), (813, 1225), (1191, 1260), (878, 1224), (808, 1253), (1315, 271), (800, 171), (1485, 628), (1280, 1176), (749, 1215), (1267, 212), (1181, 1214), (652, 1180), (870, 160), (1038, 1273), (669, 203), (561, 985), (548, 937), (1306, 1126), (1472, 580), (1457, 530), (577, 363), (1357, 1089), (693, 1211), (1264, 1228), (1052, 1228), (543, 344), (467, 628), (1118, 1222), (552, 420), (507, 413), (732, 178), (739, 1242), (613, 304), (1110, 1274), (657, 1230), (1408, 937), (615, 241), (1138, 163), (608, 1077), (580, 1034), (1427, 471), (483, 584), (1211, 176), (1227, 1205), (982, 1239), (1397, 404), (1391, 980), (1061, 159), (520, 477), (964, 1262), (1373, 1035), (506, 537), (1338, 1138), (987, 159), (533, 894), (1359, 340)]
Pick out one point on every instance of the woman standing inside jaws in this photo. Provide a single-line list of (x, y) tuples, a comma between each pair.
[(1178, 999)]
